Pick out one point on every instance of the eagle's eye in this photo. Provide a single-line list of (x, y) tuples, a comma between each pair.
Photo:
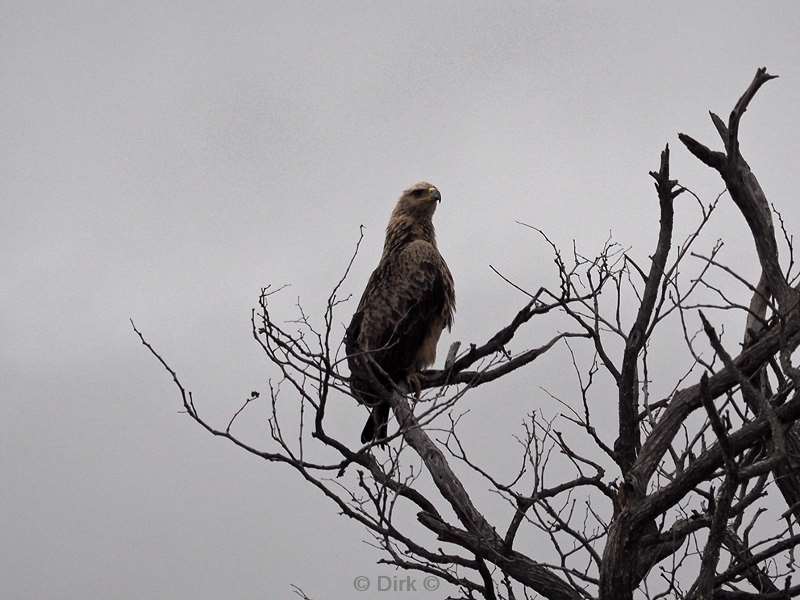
[(418, 193)]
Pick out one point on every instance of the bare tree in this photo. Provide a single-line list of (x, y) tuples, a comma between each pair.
[(667, 510)]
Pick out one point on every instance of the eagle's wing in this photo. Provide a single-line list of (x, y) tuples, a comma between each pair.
[(408, 294)]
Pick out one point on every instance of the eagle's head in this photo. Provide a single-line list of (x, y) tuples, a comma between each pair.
[(418, 202)]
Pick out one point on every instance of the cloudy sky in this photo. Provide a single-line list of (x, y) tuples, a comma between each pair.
[(163, 161)]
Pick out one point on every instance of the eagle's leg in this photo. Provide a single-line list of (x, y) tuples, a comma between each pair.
[(415, 383)]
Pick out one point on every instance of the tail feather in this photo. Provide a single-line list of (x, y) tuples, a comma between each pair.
[(377, 424)]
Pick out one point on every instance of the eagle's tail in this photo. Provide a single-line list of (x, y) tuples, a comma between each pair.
[(377, 424)]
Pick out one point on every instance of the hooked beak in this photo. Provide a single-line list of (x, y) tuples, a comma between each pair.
[(436, 194)]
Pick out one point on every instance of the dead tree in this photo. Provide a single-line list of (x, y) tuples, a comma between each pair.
[(668, 509)]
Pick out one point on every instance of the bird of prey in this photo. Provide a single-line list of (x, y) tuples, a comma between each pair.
[(408, 301)]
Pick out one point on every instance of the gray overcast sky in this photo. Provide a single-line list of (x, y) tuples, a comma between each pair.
[(165, 160)]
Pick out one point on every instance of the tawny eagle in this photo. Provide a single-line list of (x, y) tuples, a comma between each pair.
[(408, 301)]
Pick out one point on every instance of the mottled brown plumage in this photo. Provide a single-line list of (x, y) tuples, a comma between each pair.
[(408, 301)]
